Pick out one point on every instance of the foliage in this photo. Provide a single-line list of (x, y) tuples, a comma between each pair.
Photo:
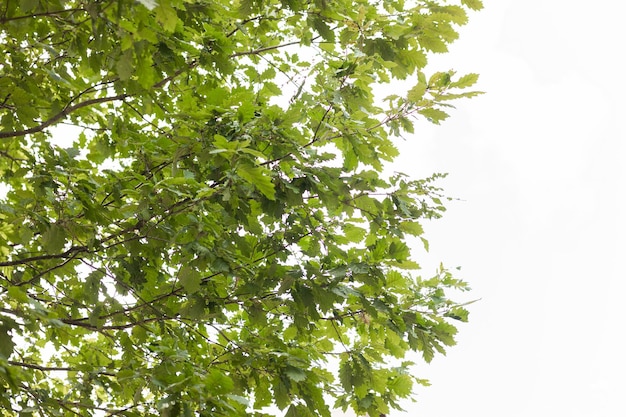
[(215, 233)]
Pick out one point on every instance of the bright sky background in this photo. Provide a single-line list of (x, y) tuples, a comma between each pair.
[(540, 164)]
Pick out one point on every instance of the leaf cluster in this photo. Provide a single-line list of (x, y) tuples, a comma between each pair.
[(218, 229)]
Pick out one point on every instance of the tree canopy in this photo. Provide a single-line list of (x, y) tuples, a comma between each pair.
[(194, 215)]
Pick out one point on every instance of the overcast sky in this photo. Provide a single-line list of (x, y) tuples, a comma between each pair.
[(539, 162)]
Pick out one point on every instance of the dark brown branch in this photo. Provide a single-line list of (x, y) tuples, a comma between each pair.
[(315, 133), (243, 22), (111, 412), (42, 14), (265, 49), (60, 115), (70, 253), (42, 273), (70, 109), (164, 81), (54, 368), (174, 291), (92, 89), (81, 323)]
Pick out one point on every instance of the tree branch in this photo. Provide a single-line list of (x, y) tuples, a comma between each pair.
[(164, 81), (265, 49), (42, 273), (8, 156), (70, 109), (53, 368), (42, 14), (67, 254), (82, 322), (60, 115), (243, 22)]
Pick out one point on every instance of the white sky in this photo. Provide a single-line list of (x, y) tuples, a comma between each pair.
[(539, 163)]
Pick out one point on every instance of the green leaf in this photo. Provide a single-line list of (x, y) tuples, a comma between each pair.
[(166, 16), (473, 4), (440, 79), (259, 177), (411, 227), (465, 81), (417, 92), (6, 341), (28, 5), (295, 374), (282, 396), (92, 286), (458, 313), (354, 233), (219, 382), (299, 410), (401, 385), (290, 333), (395, 280), (346, 375), (53, 239), (245, 112), (323, 29), (125, 65), (190, 279), (239, 399), (434, 115)]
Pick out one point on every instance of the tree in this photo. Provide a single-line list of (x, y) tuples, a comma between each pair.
[(213, 233)]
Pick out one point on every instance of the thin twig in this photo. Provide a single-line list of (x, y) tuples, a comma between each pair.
[(265, 49)]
